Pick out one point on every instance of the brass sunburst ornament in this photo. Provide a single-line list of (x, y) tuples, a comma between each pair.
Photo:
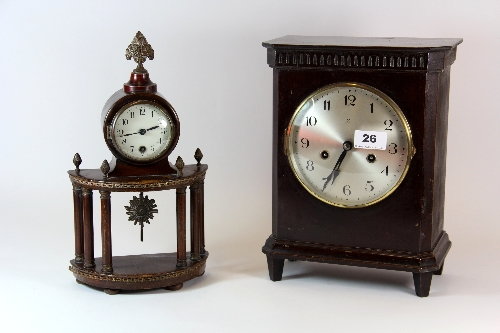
[(141, 209)]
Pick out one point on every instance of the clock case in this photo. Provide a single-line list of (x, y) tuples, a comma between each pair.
[(404, 232), (138, 88)]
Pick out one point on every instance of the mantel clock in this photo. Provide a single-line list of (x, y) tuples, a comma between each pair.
[(141, 129), (359, 153)]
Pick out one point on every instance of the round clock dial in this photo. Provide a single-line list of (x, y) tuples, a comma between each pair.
[(349, 145), (142, 131)]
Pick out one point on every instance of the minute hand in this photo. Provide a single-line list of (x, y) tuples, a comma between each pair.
[(335, 172)]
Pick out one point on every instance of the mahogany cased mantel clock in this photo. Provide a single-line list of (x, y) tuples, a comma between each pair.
[(359, 153), (141, 129)]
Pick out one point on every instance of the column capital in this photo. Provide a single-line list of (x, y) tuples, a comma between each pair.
[(105, 194), (86, 191)]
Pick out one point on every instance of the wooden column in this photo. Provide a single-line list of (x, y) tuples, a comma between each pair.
[(78, 217), (195, 221), (181, 226), (202, 217), (88, 229), (107, 264)]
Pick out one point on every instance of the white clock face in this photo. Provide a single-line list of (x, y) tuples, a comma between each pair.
[(142, 131), (349, 145)]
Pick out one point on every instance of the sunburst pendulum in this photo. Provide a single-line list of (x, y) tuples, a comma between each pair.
[(141, 209)]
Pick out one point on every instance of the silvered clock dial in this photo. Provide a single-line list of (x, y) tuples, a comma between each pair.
[(349, 145)]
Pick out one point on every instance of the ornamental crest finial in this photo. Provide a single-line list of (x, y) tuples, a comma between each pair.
[(139, 49)]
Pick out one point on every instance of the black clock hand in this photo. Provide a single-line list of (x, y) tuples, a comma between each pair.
[(335, 172), (129, 134), (141, 131)]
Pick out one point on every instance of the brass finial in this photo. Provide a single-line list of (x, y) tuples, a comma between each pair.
[(139, 49), (77, 160), (180, 165), (198, 156), (105, 168)]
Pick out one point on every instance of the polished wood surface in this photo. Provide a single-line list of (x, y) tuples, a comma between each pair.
[(88, 228), (107, 261), (343, 42), (78, 219), (195, 197), (181, 226)]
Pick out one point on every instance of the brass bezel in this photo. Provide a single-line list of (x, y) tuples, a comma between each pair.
[(388, 100), (155, 157)]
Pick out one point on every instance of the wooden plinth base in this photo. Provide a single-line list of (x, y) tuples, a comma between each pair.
[(423, 264), (140, 272)]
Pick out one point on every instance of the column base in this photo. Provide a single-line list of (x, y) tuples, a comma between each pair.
[(140, 272)]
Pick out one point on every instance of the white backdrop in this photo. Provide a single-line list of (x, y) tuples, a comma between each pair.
[(61, 60)]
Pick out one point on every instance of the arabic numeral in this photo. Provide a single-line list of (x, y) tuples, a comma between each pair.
[(305, 142), (326, 105), (349, 100), (369, 138), (386, 170), (369, 187), (347, 190), (311, 121), (393, 150), (388, 123), (371, 107), (310, 165)]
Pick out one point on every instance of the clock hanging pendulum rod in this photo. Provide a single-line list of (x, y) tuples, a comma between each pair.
[(141, 209)]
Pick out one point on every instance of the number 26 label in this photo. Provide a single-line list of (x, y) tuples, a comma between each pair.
[(370, 140)]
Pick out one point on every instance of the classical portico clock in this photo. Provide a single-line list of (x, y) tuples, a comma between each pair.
[(141, 129), (359, 153)]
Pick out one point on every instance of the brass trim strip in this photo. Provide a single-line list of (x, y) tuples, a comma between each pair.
[(128, 279), (185, 181)]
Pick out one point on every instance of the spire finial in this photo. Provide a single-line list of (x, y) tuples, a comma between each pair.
[(198, 156), (105, 168), (77, 160)]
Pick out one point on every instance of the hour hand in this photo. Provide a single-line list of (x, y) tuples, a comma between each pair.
[(335, 172), (333, 175), (152, 128)]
